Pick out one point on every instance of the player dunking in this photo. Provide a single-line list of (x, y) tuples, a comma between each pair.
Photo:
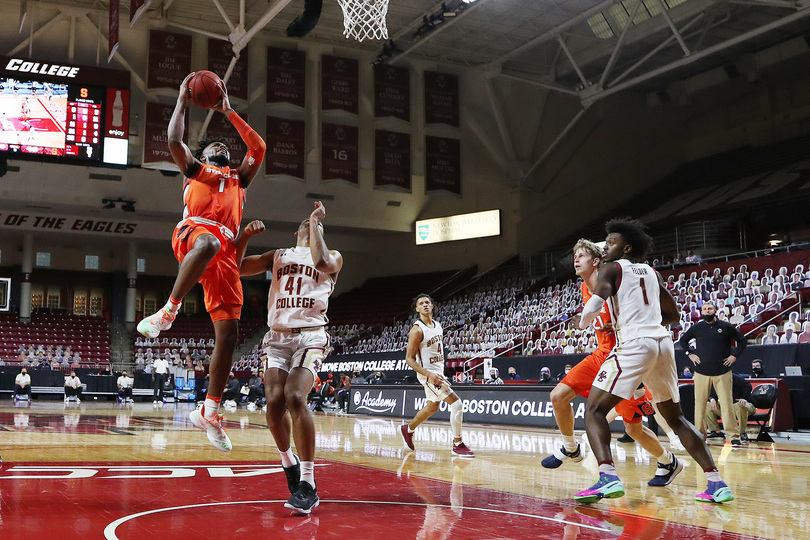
[(425, 355), (204, 244), (295, 346), (578, 381), (639, 305)]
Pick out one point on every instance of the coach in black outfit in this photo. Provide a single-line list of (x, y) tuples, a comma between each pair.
[(713, 356)]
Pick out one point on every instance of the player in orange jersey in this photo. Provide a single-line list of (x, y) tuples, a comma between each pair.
[(204, 244), (578, 381)]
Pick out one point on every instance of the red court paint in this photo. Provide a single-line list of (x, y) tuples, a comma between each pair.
[(197, 499)]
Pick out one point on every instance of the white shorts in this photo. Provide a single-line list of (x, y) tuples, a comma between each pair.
[(647, 360), (437, 394), (288, 350)]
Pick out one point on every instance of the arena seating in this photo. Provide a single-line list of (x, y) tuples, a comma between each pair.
[(89, 336)]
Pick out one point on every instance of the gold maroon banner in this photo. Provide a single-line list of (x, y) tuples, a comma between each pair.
[(136, 9), (286, 147), (441, 98), (156, 153), (392, 92), (392, 159), (339, 153), (169, 59), (443, 165), (221, 128), (220, 54), (286, 76), (339, 84), (112, 30)]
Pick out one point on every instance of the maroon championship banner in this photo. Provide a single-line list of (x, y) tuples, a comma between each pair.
[(339, 84), (392, 159), (220, 54), (286, 147), (339, 153), (112, 31), (286, 76), (441, 98), (169, 59), (136, 9), (156, 153), (221, 128), (392, 92), (443, 164)]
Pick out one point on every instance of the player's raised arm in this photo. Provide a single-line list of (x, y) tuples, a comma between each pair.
[(181, 154), (325, 260), (605, 288), (255, 264), (252, 162)]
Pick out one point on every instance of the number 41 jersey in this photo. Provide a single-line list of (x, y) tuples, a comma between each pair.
[(636, 306), (299, 294)]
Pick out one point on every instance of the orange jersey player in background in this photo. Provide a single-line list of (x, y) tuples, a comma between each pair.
[(579, 380), (204, 244)]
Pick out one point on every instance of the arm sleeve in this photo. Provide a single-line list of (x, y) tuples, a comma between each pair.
[(685, 338), (255, 144)]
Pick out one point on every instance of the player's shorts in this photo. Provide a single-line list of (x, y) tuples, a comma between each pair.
[(437, 393), (632, 410), (221, 283), (294, 348), (581, 377), (648, 360)]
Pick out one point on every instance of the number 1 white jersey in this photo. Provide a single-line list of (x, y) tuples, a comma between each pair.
[(299, 293), (431, 350), (636, 306)]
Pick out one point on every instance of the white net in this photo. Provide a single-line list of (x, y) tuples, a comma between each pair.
[(364, 19)]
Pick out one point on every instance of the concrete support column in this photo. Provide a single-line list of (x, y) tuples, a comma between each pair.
[(132, 275)]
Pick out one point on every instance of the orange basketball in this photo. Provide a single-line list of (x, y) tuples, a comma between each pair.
[(205, 89)]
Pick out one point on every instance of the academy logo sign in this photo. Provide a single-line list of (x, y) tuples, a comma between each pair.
[(375, 404)]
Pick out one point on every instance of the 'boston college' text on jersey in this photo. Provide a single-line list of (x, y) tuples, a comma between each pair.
[(605, 340), (431, 349), (636, 305), (299, 294)]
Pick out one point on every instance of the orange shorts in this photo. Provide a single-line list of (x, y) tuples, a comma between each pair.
[(220, 282), (580, 378), (631, 410)]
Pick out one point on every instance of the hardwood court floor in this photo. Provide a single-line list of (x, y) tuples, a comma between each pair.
[(100, 470)]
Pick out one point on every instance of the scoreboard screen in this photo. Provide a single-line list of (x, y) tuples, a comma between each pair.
[(63, 113)]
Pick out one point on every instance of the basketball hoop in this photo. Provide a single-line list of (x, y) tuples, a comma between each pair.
[(364, 19)]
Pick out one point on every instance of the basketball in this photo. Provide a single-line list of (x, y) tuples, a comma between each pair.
[(205, 89)]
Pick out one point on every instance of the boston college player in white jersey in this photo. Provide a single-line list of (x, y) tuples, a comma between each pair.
[(295, 346), (640, 305), (426, 356)]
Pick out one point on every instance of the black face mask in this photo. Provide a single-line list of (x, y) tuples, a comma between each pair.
[(708, 318), (756, 370)]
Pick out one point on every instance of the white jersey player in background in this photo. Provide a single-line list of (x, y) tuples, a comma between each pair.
[(295, 346), (425, 355), (639, 305)]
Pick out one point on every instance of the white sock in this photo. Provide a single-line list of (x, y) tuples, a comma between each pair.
[(456, 415), (308, 472), (713, 476), (665, 458), (569, 443), (287, 458), (605, 468), (171, 306), (210, 408)]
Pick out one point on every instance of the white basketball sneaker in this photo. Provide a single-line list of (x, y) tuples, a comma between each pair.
[(154, 324), (213, 428)]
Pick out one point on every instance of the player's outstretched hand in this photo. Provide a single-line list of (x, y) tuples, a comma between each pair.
[(183, 96), (254, 228), (224, 104), (319, 213)]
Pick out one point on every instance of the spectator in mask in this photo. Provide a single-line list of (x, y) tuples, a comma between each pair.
[(494, 377), (545, 375)]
